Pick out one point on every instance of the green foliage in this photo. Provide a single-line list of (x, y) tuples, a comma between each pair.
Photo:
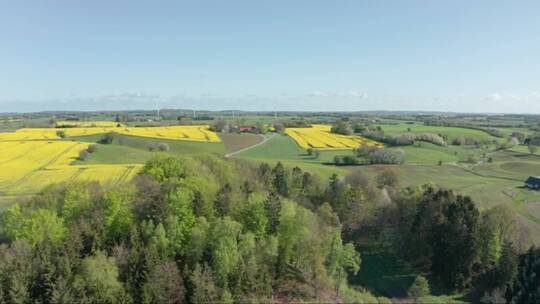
[(165, 168), (447, 224), (188, 230), (524, 289), (75, 201), (224, 246), (388, 178), (253, 215), (107, 139), (419, 288), (182, 217), (98, 280), (40, 225), (118, 215), (280, 180)]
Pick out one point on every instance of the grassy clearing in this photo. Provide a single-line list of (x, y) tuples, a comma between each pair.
[(384, 273)]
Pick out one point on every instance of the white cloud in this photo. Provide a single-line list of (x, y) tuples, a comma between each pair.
[(495, 97), (347, 94)]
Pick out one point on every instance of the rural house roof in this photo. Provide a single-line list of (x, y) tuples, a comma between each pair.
[(533, 180)]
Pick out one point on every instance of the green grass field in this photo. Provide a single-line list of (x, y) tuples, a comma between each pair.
[(176, 146), (450, 132)]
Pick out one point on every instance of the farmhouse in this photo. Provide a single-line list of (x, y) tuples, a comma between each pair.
[(533, 182), (248, 129)]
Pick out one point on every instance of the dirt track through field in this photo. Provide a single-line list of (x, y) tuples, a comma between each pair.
[(265, 139)]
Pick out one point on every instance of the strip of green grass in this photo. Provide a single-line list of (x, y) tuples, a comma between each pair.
[(116, 154), (450, 132), (175, 146)]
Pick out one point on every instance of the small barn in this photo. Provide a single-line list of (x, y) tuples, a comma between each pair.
[(533, 182), (247, 129)]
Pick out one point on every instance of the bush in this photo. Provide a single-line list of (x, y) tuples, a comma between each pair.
[(151, 146), (388, 178), (419, 288), (61, 134), (219, 125), (107, 139), (83, 155), (464, 141), (313, 152), (342, 128), (163, 147), (347, 160), (92, 148), (374, 155)]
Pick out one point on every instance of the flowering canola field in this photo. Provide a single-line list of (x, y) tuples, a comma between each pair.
[(27, 166), (32, 158), (191, 133), (320, 137)]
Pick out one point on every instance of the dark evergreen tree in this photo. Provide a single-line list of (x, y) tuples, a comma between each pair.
[(526, 286), (280, 180)]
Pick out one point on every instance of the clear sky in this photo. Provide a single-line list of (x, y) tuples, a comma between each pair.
[(479, 56)]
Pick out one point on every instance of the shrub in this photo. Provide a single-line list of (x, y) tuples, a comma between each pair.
[(388, 178), (61, 134), (163, 147), (419, 288), (92, 148), (347, 160), (83, 155), (151, 146), (107, 139), (464, 141)]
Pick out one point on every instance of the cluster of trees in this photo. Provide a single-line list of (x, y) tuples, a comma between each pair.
[(533, 139), (343, 128), (444, 234), (200, 229), (223, 126), (376, 155), (405, 139), (465, 141), (346, 160)]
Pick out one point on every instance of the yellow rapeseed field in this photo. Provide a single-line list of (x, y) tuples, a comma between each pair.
[(192, 133), (27, 166), (31, 158), (320, 137)]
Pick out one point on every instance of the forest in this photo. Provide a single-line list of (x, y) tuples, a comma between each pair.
[(202, 229)]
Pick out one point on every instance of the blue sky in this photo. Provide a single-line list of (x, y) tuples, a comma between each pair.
[(477, 56)]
